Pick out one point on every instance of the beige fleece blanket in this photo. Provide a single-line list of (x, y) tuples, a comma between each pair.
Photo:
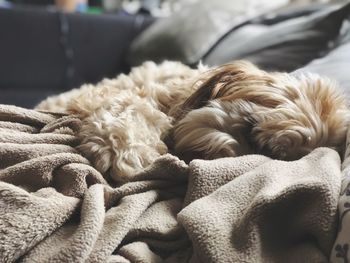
[(55, 207)]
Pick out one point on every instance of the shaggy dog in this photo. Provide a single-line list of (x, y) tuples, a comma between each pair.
[(240, 109), (125, 119), (230, 110)]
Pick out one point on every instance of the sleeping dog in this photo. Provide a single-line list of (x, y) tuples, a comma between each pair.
[(230, 110)]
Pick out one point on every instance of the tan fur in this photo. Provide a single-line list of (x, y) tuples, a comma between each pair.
[(230, 110), (240, 109)]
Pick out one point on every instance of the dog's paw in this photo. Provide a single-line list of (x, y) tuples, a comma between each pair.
[(284, 143), (212, 132)]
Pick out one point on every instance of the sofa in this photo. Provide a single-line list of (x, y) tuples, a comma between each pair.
[(44, 51)]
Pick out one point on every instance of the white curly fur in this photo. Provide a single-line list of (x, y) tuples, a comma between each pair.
[(125, 118)]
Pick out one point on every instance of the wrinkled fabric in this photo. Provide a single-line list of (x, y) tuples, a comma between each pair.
[(55, 207), (340, 251)]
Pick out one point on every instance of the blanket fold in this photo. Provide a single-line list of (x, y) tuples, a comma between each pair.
[(267, 213), (54, 206)]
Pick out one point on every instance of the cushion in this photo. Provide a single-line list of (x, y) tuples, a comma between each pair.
[(190, 33), (335, 65), (285, 45)]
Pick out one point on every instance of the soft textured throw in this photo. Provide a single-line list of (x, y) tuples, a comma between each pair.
[(341, 252), (55, 207)]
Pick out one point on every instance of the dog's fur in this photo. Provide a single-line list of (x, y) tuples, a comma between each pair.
[(240, 109), (230, 110), (125, 118)]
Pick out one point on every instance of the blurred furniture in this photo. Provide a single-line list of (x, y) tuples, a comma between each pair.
[(279, 39), (47, 52), (307, 38)]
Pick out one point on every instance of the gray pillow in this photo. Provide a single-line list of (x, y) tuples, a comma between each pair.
[(189, 34), (336, 66), (283, 46)]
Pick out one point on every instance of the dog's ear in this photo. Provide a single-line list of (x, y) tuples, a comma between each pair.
[(216, 82)]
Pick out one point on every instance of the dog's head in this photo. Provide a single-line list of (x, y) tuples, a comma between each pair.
[(240, 109), (317, 117)]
